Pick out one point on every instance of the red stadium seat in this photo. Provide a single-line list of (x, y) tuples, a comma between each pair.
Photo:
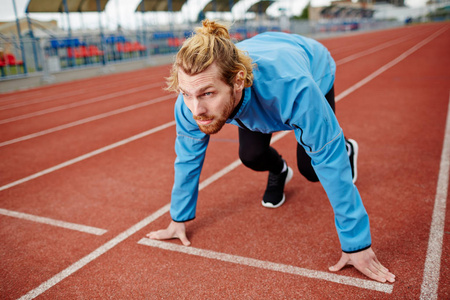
[(11, 60), (138, 46), (94, 51)]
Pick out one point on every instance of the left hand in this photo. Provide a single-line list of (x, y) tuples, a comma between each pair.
[(367, 263)]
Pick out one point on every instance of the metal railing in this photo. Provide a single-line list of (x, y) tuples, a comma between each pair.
[(54, 54)]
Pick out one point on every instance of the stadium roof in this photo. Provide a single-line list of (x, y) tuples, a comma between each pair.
[(334, 11), (55, 6), (160, 5), (261, 6), (220, 5)]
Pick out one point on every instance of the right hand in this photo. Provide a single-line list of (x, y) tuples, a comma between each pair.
[(175, 230)]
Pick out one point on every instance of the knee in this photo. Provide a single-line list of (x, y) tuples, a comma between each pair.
[(252, 159)]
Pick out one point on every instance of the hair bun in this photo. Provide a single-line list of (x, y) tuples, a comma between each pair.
[(211, 27)]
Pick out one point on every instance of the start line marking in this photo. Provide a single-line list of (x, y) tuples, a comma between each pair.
[(53, 222), (126, 234), (267, 265)]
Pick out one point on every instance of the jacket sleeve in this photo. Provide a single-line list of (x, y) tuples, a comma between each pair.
[(190, 148), (318, 131)]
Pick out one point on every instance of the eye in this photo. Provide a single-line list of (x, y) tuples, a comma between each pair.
[(207, 94)]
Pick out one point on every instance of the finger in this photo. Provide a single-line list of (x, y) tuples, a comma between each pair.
[(377, 267), (376, 274), (381, 271), (165, 234), (162, 234), (373, 274), (340, 264), (391, 277), (184, 240)]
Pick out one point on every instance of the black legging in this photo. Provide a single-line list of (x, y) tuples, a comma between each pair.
[(256, 153)]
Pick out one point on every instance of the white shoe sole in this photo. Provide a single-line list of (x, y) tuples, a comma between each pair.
[(288, 178)]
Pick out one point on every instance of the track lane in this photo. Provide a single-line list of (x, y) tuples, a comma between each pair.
[(66, 88), (91, 107), (366, 66), (24, 159), (87, 97), (347, 45), (70, 95), (401, 154)]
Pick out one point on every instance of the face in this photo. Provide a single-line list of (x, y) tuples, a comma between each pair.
[(209, 98)]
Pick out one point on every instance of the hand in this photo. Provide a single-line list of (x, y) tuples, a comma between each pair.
[(367, 263), (174, 231)]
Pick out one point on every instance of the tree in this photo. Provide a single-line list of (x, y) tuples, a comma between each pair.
[(305, 13)]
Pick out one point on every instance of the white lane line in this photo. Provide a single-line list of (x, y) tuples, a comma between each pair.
[(104, 149), (53, 222), (389, 65), (372, 50), (267, 265), (80, 103), (86, 120), (430, 283), (77, 91), (88, 155), (121, 237), (124, 235), (95, 254), (41, 100)]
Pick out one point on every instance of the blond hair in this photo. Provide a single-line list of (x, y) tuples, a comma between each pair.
[(211, 44)]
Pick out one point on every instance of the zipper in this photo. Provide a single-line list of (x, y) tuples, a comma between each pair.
[(301, 140)]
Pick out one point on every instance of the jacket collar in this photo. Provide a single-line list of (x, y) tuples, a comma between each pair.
[(240, 107)]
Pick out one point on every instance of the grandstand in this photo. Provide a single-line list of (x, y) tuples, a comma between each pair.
[(34, 52)]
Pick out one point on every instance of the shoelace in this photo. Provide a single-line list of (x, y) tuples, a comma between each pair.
[(275, 180)]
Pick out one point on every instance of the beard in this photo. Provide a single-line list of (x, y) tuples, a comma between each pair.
[(218, 121)]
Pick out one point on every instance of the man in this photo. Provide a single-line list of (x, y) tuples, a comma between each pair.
[(284, 83)]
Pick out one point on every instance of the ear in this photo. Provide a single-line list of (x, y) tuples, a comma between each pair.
[(239, 80)]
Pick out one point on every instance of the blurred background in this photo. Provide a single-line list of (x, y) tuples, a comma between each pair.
[(45, 41)]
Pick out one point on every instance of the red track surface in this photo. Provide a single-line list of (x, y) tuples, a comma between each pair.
[(398, 116)]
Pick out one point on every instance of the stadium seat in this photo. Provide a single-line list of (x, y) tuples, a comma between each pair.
[(2, 67), (94, 51), (136, 46), (12, 61), (126, 47)]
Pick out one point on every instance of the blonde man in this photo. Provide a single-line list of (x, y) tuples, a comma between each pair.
[(285, 82)]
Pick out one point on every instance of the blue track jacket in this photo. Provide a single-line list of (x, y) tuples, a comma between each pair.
[(292, 76)]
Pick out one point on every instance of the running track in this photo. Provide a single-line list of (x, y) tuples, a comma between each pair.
[(86, 171)]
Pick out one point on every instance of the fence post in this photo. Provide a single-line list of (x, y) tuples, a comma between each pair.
[(46, 77), (25, 71), (33, 41)]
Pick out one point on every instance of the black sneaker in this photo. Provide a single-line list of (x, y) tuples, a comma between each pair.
[(352, 151), (274, 195)]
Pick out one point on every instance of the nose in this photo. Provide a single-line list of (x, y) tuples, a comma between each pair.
[(198, 108)]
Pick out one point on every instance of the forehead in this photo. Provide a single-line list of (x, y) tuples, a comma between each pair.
[(192, 83)]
